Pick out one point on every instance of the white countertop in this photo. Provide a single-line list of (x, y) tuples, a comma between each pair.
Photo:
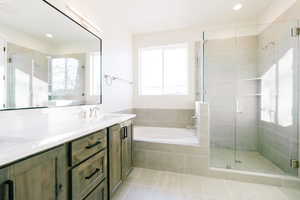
[(18, 141)]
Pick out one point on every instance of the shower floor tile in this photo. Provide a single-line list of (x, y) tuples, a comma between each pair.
[(250, 161), (146, 184)]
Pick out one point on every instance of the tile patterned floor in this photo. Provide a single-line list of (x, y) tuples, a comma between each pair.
[(146, 184), (250, 161)]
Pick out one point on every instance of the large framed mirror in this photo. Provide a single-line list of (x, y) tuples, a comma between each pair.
[(47, 59)]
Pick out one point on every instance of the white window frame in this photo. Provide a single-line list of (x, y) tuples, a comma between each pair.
[(164, 47)]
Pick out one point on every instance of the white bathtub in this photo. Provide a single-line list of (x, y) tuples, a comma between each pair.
[(166, 135)]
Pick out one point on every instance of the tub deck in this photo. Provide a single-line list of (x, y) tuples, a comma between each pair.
[(181, 136)]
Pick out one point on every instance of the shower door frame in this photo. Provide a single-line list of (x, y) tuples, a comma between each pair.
[(295, 111)]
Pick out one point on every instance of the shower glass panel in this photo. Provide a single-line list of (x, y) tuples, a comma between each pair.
[(251, 82), (220, 83)]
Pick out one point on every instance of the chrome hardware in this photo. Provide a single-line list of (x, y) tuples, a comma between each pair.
[(294, 164), (94, 112), (295, 32)]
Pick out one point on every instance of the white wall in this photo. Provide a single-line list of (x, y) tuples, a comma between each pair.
[(189, 36)]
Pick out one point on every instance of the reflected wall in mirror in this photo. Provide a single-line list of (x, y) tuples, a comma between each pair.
[(47, 59)]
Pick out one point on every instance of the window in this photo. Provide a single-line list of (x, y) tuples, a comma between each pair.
[(163, 70), (95, 74), (278, 91), (268, 99), (65, 76), (285, 89)]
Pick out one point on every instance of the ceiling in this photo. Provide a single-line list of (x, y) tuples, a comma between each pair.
[(147, 16), (136, 16), (143, 16)]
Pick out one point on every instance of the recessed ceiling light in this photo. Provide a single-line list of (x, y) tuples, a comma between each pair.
[(48, 35), (237, 6)]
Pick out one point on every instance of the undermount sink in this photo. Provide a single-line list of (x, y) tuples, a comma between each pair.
[(104, 117)]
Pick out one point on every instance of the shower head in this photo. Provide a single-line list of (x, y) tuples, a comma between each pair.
[(268, 45)]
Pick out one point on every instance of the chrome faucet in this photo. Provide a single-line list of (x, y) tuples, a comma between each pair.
[(94, 112)]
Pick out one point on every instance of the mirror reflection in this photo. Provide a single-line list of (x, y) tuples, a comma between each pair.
[(46, 59)]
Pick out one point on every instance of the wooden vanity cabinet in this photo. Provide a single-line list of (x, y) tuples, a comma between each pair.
[(40, 177), (88, 168), (120, 154)]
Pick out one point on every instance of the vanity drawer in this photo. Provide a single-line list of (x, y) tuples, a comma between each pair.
[(88, 175), (100, 193), (85, 147)]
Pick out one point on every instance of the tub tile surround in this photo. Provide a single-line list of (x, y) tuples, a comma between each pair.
[(195, 160), (175, 118), (37, 130)]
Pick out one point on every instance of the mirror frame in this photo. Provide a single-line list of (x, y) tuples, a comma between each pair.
[(51, 6)]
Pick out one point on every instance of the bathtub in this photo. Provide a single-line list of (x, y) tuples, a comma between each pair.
[(181, 136), (167, 149)]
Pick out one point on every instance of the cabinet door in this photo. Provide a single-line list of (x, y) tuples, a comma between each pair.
[(100, 193), (126, 151), (39, 177), (115, 170), (130, 147)]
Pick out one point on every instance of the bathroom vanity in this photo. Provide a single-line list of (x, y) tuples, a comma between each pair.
[(86, 166)]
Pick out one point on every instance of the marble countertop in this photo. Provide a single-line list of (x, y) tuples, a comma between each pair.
[(20, 140)]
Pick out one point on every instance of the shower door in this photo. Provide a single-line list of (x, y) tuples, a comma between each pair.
[(266, 136), (251, 83), (220, 83)]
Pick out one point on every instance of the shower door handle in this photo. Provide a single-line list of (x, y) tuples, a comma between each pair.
[(238, 109)]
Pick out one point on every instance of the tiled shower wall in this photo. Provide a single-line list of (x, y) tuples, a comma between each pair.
[(229, 63)]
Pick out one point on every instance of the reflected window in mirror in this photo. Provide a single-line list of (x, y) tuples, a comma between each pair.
[(95, 71), (66, 77)]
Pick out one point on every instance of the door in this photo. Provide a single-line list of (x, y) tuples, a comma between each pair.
[(115, 162), (220, 82), (267, 103), (19, 79), (126, 150), (27, 77), (252, 83), (40, 177)]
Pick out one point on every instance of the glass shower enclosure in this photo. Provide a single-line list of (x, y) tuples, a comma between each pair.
[(251, 83)]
